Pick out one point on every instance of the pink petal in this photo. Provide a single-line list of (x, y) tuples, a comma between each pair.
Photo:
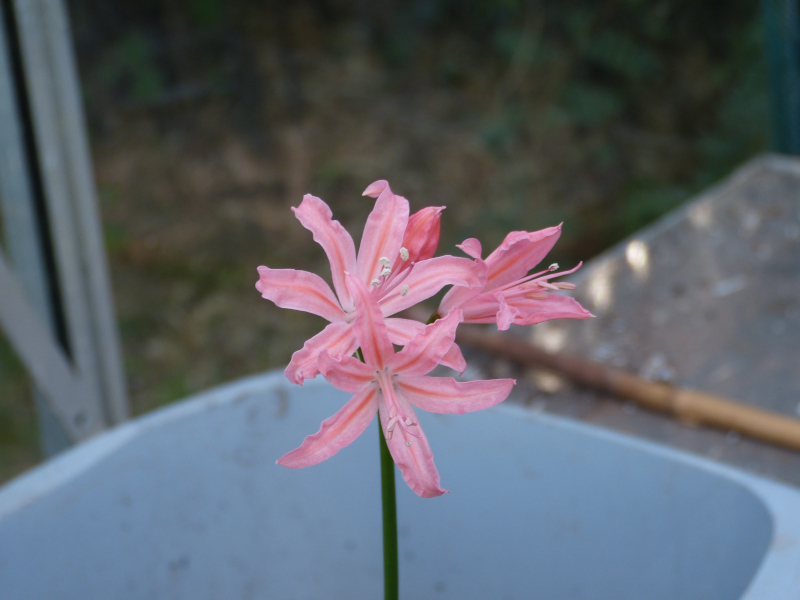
[(299, 290), (415, 461), (460, 295), (422, 233), (425, 351), (337, 338), (428, 277), (317, 217), (471, 247), (347, 374), (375, 188), (480, 309), (518, 254), (554, 306), (506, 314), (383, 234), (446, 395), (369, 328), (401, 331), (336, 432)]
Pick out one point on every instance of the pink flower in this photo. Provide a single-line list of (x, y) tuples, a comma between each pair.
[(390, 384), (384, 264), (422, 232), (510, 295)]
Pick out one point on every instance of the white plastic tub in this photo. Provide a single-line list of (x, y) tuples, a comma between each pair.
[(188, 503)]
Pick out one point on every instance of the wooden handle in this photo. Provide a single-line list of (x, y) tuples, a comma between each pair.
[(687, 405)]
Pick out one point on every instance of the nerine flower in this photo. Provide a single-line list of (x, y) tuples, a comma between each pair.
[(383, 263), (390, 383), (510, 295)]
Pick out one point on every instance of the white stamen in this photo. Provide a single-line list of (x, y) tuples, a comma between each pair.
[(392, 422), (408, 444), (409, 422), (553, 267), (384, 261), (386, 272), (375, 282), (404, 291), (404, 253)]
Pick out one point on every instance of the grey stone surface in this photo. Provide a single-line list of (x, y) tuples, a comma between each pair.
[(707, 298)]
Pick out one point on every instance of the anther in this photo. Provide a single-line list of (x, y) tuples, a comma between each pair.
[(384, 261), (404, 291), (553, 267), (404, 253), (375, 282), (408, 444), (386, 272), (536, 295), (409, 422)]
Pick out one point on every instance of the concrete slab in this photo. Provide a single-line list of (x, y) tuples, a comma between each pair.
[(708, 298)]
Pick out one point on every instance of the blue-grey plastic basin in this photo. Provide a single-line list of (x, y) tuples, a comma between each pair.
[(188, 503)]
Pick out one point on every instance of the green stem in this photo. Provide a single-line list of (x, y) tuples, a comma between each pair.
[(390, 573), (389, 502)]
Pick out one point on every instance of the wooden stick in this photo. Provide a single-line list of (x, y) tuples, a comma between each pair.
[(689, 406)]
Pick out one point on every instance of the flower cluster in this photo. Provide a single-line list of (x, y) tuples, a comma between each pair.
[(395, 269)]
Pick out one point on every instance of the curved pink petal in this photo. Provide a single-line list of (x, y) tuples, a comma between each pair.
[(425, 351), (446, 395), (347, 374), (316, 216), (299, 290), (428, 277), (477, 308), (422, 233), (471, 247), (460, 295), (337, 338), (368, 326), (383, 234), (401, 331), (518, 254), (336, 432), (375, 188), (553, 306), (415, 461), (506, 314)]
